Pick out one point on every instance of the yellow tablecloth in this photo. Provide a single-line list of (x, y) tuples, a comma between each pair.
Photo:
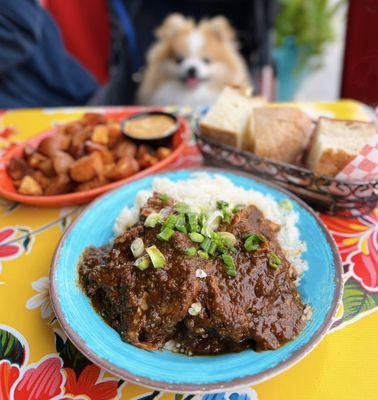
[(37, 361)]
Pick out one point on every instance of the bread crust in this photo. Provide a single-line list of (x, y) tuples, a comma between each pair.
[(331, 162)]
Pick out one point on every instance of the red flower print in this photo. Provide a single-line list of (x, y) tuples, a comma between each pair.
[(41, 382), (6, 132), (90, 384), (8, 376), (8, 251), (357, 240)]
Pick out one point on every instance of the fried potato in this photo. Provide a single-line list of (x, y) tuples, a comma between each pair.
[(92, 184), (163, 152), (100, 134), (87, 168), (114, 131), (93, 119), (106, 155), (61, 162), (124, 168), (126, 148), (42, 179), (147, 160), (30, 186), (36, 158), (47, 168)]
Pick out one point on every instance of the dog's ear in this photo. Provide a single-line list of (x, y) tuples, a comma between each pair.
[(221, 28), (172, 25)]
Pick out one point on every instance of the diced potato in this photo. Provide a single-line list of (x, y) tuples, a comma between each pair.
[(93, 119), (42, 179), (106, 155), (47, 168), (163, 152), (59, 185), (147, 160), (87, 168), (30, 186), (100, 134), (61, 162), (36, 158), (114, 130), (18, 168), (126, 148), (71, 128), (52, 144), (92, 184), (124, 168), (28, 150)]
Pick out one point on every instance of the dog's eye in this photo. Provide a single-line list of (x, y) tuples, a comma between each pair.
[(179, 59), (206, 60)]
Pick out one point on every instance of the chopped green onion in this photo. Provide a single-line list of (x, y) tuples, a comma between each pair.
[(212, 248), (196, 237), (212, 223), (203, 254), (221, 204), (190, 251), (180, 223), (273, 260), (163, 197), (237, 208), (205, 245), (181, 208), (253, 241), (286, 205), (156, 256), (193, 221), (137, 247), (228, 238), (142, 263), (229, 263), (165, 234), (171, 221), (202, 219), (152, 220)]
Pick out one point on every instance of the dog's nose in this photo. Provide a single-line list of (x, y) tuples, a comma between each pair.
[(191, 72)]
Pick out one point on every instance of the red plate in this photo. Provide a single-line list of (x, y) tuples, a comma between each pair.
[(7, 190)]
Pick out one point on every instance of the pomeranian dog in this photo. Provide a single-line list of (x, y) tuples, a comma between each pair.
[(190, 64)]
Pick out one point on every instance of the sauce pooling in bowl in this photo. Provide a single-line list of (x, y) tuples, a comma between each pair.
[(151, 126)]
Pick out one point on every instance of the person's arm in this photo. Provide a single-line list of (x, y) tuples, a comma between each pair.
[(20, 29)]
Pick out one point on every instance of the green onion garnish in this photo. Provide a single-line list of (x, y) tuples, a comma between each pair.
[(156, 256), (273, 260), (190, 251), (229, 263), (286, 205), (212, 223), (165, 234), (142, 263), (252, 241), (180, 223), (228, 238), (196, 237), (205, 245), (193, 221), (203, 254), (152, 220), (212, 248), (137, 247), (171, 221), (221, 204), (163, 197), (181, 208), (237, 208)]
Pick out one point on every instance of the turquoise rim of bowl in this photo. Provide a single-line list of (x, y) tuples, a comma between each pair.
[(204, 374)]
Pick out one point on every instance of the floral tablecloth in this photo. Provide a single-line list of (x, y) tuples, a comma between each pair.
[(37, 362)]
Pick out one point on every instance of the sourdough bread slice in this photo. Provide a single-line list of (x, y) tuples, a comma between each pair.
[(279, 133), (227, 119), (336, 143)]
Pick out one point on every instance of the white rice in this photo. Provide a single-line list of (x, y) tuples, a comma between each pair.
[(205, 190)]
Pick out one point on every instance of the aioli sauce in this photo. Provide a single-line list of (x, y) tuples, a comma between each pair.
[(149, 126)]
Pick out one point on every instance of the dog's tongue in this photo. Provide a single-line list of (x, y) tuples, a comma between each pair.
[(191, 82)]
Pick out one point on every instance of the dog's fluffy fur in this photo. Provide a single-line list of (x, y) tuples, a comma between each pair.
[(190, 64)]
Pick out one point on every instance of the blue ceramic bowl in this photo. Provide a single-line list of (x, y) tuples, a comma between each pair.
[(320, 287)]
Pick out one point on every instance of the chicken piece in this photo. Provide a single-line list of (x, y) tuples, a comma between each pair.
[(106, 155), (93, 119), (124, 168), (92, 184), (50, 145), (36, 158), (86, 168), (100, 134), (163, 152), (47, 168), (61, 162), (114, 131), (59, 185), (18, 168), (126, 148), (30, 186), (42, 179)]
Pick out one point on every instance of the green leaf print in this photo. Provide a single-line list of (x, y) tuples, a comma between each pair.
[(11, 348)]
